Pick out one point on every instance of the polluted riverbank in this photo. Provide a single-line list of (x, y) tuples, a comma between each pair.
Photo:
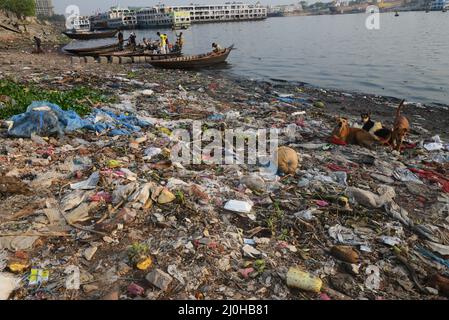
[(97, 209)]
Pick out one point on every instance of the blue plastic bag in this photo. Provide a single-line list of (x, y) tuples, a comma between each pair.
[(44, 119)]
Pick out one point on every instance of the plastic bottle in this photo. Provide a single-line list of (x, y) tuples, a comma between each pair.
[(299, 279)]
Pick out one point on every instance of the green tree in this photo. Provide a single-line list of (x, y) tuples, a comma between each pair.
[(22, 8)]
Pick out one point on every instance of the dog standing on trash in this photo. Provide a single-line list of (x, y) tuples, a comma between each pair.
[(400, 129)]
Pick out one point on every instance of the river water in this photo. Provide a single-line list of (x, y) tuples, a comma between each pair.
[(408, 57)]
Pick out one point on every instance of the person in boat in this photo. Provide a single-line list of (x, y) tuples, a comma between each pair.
[(146, 43), (38, 43), (163, 43), (180, 41), (132, 41), (167, 44), (216, 48), (121, 40)]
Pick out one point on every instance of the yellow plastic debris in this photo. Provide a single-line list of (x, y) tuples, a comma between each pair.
[(18, 267), (303, 280), (145, 264), (166, 131), (166, 197), (114, 164)]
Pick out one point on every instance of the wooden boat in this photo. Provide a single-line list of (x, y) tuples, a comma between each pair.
[(193, 62), (180, 28), (94, 51), (90, 35), (124, 53), (142, 53)]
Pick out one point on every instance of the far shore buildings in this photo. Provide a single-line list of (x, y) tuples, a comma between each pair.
[(177, 16), (44, 8), (439, 5)]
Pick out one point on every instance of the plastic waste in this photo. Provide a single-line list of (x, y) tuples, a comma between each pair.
[(135, 290), (405, 175), (73, 199), (145, 263), (391, 241), (44, 119), (368, 199), (166, 197), (8, 283), (3, 259), (89, 184), (101, 196), (15, 243), (436, 145), (152, 152), (38, 276), (116, 125), (305, 215), (238, 206), (439, 248), (73, 280), (344, 235), (372, 282), (299, 279)]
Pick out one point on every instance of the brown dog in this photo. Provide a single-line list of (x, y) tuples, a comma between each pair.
[(352, 135), (400, 129)]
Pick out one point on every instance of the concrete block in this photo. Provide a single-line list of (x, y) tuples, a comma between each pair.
[(75, 60), (115, 60), (103, 60), (124, 60), (89, 59)]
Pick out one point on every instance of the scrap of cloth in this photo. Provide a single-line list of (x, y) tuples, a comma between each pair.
[(433, 177)]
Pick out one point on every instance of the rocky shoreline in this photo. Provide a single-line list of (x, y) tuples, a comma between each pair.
[(187, 245)]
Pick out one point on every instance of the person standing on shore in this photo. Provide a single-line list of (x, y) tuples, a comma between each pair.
[(38, 43), (121, 40)]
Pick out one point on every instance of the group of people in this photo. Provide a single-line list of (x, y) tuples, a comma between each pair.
[(160, 46)]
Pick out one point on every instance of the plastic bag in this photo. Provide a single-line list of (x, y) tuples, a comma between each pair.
[(44, 119)]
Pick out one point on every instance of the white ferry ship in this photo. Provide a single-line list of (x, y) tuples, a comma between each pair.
[(115, 18), (80, 23), (162, 17), (235, 11), (176, 16)]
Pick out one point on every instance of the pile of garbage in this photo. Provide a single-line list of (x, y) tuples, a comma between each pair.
[(96, 208)]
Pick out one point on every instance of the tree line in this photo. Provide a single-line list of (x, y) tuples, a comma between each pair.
[(22, 8)]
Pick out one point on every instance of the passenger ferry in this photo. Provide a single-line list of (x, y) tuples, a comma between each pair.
[(176, 16), (162, 17), (115, 18), (235, 11), (80, 23)]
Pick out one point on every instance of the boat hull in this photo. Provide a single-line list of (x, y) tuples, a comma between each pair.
[(93, 51), (91, 35), (193, 62)]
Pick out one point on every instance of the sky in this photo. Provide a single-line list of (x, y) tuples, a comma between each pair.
[(90, 6)]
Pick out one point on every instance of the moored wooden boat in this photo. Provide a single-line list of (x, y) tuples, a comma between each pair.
[(94, 51), (90, 35), (194, 62), (142, 53)]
